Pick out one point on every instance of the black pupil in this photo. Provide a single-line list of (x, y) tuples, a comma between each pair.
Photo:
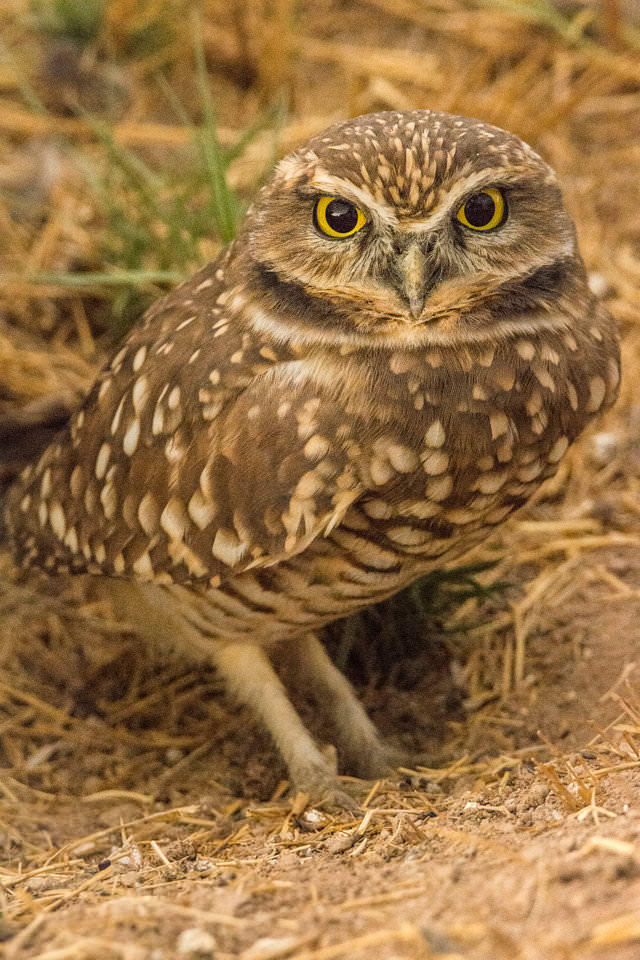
[(341, 216), (479, 209)]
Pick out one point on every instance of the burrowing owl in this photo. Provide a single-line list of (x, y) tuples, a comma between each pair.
[(394, 353)]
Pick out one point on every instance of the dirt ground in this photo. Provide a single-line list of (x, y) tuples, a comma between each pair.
[(143, 816), (525, 844)]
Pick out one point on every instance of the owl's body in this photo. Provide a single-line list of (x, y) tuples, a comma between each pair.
[(341, 402)]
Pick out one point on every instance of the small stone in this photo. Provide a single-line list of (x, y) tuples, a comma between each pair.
[(195, 942), (604, 447), (598, 284), (537, 794), (312, 820), (271, 948), (339, 843), (40, 885)]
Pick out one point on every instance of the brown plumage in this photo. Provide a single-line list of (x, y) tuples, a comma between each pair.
[(395, 352)]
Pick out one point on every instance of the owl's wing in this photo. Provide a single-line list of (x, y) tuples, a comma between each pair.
[(199, 453)]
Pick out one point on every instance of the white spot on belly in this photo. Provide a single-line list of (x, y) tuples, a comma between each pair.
[(173, 519), (115, 423), (201, 511), (45, 485), (102, 460), (109, 500), (316, 447), (185, 323), (409, 536), (148, 513), (597, 391), (526, 349), (139, 358), (479, 392), (71, 539), (227, 547), (377, 509), (530, 472), (140, 394), (548, 353), (460, 516), (558, 450), (573, 396), (57, 520), (381, 472), (116, 363), (131, 437), (440, 488), (434, 462), (143, 567), (490, 482), (402, 458), (499, 424), (435, 435), (543, 376), (534, 403)]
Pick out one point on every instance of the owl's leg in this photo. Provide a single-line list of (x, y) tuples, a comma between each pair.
[(360, 748), (161, 615), (250, 677)]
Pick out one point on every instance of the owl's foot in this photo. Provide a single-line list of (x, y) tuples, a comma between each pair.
[(376, 761), (324, 788)]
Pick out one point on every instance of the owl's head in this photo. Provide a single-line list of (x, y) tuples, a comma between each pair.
[(413, 227)]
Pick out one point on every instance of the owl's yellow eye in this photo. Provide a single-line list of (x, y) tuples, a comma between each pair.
[(484, 210), (338, 218)]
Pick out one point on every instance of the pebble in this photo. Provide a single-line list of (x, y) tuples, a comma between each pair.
[(604, 447), (270, 948), (195, 942), (340, 843), (598, 284), (536, 794)]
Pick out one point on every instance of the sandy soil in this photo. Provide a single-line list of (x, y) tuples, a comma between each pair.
[(521, 847)]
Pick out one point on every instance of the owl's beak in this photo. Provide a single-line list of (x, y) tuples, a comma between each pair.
[(415, 276)]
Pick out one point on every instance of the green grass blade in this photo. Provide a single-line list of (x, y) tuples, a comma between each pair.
[(224, 205)]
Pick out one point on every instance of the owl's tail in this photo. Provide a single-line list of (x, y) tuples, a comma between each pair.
[(25, 433)]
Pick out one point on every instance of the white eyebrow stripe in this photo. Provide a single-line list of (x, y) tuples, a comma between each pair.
[(475, 181), (336, 186)]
